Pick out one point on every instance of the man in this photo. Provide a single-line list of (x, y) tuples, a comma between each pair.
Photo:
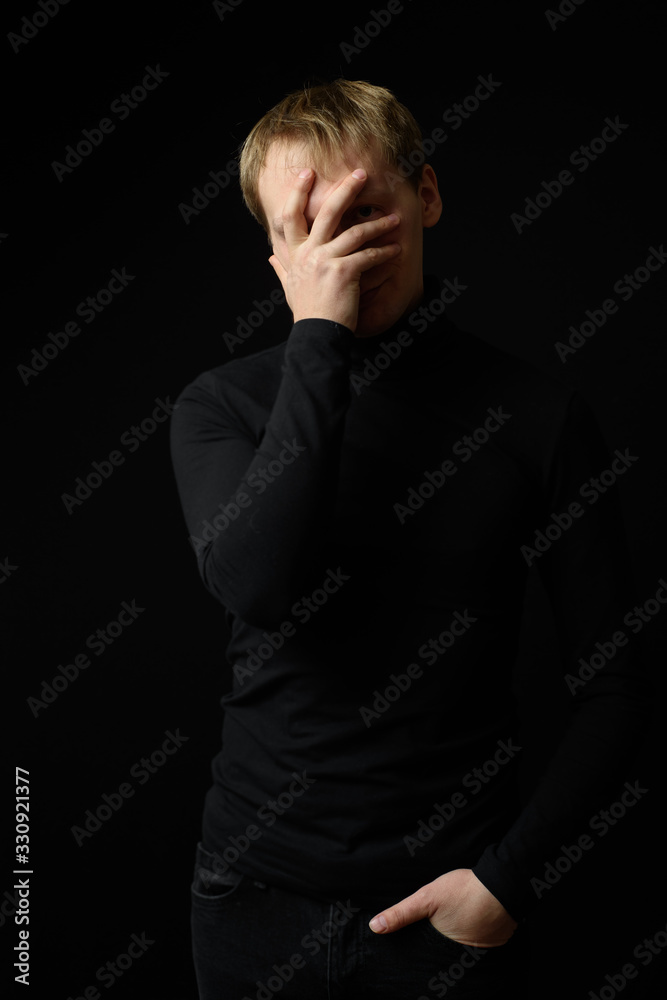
[(365, 500)]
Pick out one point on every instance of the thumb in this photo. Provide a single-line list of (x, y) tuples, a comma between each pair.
[(282, 275), (278, 268), (414, 907)]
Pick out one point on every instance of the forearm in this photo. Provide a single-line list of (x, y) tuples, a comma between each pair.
[(253, 554), (584, 773), (587, 575)]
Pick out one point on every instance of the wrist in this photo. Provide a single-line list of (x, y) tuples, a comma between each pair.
[(329, 317)]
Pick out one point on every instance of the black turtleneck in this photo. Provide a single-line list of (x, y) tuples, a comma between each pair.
[(366, 509)]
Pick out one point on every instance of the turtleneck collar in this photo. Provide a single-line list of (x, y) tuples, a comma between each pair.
[(427, 338)]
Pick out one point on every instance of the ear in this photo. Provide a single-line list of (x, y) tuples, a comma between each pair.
[(429, 196)]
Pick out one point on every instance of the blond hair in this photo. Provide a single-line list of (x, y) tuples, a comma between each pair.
[(330, 119)]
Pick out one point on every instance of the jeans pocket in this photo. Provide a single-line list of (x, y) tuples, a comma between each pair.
[(436, 937), (213, 880)]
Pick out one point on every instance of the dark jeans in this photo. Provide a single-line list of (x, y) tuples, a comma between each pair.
[(253, 941)]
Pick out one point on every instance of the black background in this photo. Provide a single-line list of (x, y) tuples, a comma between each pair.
[(127, 541)]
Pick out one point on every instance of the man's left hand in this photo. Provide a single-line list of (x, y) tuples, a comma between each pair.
[(459, 906)]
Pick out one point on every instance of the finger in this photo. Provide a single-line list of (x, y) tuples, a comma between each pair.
[(294, 221), (278, 268), (372, 256), (410, 909), (333, 206), (363, 232), (282, 275)]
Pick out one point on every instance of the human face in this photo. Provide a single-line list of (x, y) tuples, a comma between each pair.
[(393, 288)]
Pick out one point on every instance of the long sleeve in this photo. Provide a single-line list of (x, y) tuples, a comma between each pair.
[(585, 569), (258, 486)]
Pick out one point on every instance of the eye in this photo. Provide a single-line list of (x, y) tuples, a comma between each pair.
[(360, 213)]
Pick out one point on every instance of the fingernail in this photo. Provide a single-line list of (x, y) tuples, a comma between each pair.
[(378, 924), (359, 174), (305, 172)]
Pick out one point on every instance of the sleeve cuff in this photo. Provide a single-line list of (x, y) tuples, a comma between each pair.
[(512, 890)]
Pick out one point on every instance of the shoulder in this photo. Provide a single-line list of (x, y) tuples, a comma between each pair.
[(240, 380), (539, 394), (545, 417)]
